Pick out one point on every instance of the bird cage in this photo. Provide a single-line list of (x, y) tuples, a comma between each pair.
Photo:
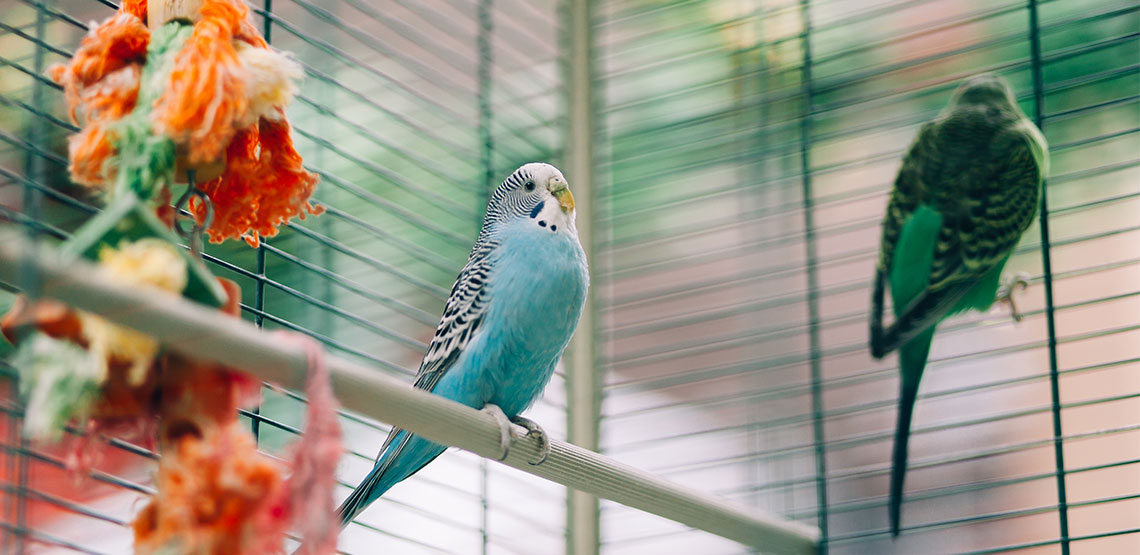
[(735, 158)]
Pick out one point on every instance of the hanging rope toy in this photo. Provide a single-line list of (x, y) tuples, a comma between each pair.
[(169, 97), (173, 97)]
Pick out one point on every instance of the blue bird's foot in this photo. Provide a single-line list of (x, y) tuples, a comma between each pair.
[(535, 430), (504, 428), (1008, 285)]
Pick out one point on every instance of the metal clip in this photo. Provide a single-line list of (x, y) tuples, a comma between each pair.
[(182, 214)]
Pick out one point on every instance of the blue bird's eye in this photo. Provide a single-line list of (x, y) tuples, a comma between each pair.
[(529, 185)]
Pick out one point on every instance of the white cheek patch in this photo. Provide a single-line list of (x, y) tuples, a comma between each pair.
[(548, 215)]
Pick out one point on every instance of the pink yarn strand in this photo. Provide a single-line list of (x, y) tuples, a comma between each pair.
[(315, 457)]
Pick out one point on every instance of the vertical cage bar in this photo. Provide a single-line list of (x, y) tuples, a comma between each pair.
[(259, 287), (258, 319), (484, 521), (33, 162), (267, 21), (22, 497), (1047, 269), (747, 172), (812, 279), (583, 411), (11, 458), (33, 209), (486, 61)]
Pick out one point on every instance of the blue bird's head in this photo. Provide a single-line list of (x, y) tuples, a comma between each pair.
[(536, 191)]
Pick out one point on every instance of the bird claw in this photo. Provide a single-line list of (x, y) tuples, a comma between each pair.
[(1008, 285), (504, 428), (505, 433), (533, 429)]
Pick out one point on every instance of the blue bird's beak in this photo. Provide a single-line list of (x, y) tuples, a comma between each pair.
[(565, 198)]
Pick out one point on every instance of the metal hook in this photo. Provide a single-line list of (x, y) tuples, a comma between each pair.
[(193, 234)]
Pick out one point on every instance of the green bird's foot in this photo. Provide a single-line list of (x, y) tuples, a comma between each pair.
[(504, 428), (1006, 288), (535, 430)]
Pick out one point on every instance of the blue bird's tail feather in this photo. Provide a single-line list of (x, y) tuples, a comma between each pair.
[(912, 359), (405, 455), (358, 500)]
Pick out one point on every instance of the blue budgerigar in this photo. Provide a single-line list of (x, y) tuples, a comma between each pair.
[(968, 188), (510, 315)]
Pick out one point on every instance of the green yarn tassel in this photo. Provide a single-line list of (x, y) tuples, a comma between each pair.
[(145, 159), (58, 382)]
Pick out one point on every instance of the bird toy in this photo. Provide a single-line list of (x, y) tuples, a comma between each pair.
[(162, 98), (168, 92)]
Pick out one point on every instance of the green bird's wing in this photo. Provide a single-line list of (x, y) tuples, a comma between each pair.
[(994, 210), (906, 195)]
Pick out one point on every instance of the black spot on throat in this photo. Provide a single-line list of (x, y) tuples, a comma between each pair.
[(553, 227), (542, 223)]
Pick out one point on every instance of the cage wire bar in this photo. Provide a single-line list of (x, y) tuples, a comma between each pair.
[(485, 118), (810, 270), (739, 184), (28, 281), (583, 533)]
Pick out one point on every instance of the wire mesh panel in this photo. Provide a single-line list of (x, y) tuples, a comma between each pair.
[(410, 112), (752, 146), (748, 147)]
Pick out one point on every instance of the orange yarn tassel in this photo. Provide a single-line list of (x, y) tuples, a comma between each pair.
[(287, 186), (234, 194), (206, 92), (102, 83), (89, 151), (119, 41), (136, 8), (263, 187)]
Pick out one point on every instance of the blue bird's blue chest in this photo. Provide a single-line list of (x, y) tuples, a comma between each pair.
[(536, 293)]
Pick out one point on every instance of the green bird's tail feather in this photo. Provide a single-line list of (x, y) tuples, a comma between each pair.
[(909, 276), (912, 358)]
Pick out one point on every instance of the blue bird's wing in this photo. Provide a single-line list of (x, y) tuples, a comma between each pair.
[(462, 317)]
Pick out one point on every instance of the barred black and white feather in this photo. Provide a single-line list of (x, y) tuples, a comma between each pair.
[(461, 316)]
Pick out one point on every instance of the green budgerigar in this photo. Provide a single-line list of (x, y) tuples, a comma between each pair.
[(968, 188)]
